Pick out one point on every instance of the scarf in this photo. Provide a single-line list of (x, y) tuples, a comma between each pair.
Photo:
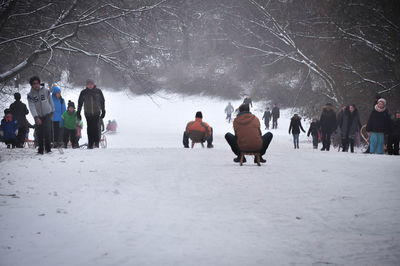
[(379, 110)]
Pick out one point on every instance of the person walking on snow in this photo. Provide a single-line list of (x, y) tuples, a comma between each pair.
[(59, 109), (294, 128), (42, 109), (378, 124), (394, 135), (313, 130), (19, 112), (247, 100), (9, 129), (328, 125), (267, 117), (247, 135), (229, 110), (70, 124), (198, 131), (350, 125), (92, 99), (275, 116)]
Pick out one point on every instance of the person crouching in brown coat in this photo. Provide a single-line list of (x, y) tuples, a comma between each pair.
[(247, 136)]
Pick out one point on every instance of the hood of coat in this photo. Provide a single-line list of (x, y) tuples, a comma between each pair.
[(56, 90), (245, 118)]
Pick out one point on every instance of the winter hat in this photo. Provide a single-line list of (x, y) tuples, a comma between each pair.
[(71, 104), (382, 100), (244, 108), (33, 79), (7, 111), (89, 81), (56, 90), (199, 115), (17, 96)]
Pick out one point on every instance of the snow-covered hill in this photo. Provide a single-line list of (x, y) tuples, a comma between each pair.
[(147, 201)]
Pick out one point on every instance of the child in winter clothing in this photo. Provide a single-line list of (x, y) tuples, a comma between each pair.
[(394, 135), (59, 109), (313, 130), (378, 124), (9, 129), (295, 126), (70, 124)]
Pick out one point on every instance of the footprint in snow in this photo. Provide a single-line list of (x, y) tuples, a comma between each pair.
[(59, 210)]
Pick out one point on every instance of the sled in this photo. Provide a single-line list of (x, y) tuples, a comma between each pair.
[(364, 134), (30, 143), (255, 154), (103, 141)]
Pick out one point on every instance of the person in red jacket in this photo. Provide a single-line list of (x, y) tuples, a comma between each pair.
[(198, 131)]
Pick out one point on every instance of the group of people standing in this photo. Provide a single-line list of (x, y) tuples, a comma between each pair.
[(55, 123)]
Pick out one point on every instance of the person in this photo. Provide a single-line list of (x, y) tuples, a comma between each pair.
[(376, 98), (248, 135), (378, 124), (247, 100), (229, 110), (339, 119), (394, 135), (199, 131), (328, 125), (42, 109), (9, 129), (70, 124), (350, 125), (94, 105), (59, 109), (267, 117), (294, 128), (112, 126), (313, 130), (275, 116), (19, 111)]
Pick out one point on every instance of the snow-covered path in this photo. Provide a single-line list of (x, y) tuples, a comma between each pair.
[(147, 201)]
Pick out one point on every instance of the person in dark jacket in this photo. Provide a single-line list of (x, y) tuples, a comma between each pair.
[(294, 128), (378, 124), (92, 100), (9, 129), (275, 116), (19, 112), (59, 109), (267, 117), (394, 135), (247, 135), (350, 125), (42, 109), (328, 124), (313, 130), (247, 100)]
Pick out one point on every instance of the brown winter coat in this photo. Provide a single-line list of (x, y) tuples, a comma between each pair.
[(248, 132)]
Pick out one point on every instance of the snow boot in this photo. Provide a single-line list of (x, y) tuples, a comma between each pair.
[(237, 159), (262, 160)]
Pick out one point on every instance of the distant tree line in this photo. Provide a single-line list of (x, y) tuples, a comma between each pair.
[(300, 54)]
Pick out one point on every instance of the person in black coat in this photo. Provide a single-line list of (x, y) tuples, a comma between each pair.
[(294, 128), (19, 112), (247, 100), (313, 130), (328, 125), (267, 118), (378, 125), (350, 125), (394, 135), (92, 100), (275, 116)]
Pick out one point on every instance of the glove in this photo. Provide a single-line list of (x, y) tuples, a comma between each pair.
[(103, 114), (78, 115)]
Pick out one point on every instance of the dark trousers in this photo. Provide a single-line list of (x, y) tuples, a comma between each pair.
[(93, 130), (315, 141), (274, 123), (393, 145), (326, 139), (232, 141), (43, 132), (56, 133), (229, 117), (12, 142), (21, 136), (266, 122), (346, 143), (70, 135), (186, 139)]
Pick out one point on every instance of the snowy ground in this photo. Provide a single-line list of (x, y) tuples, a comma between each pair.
[(147, 201)]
